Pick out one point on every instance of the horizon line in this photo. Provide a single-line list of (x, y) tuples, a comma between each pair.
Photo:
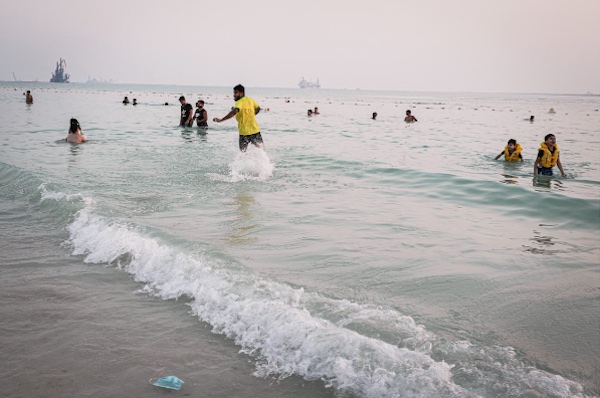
[(116, 83)]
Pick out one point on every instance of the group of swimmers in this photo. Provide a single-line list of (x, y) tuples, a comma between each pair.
[(246, 109), (408, 119), (187, 117), (126, 101), (74, 135), (547, 158)]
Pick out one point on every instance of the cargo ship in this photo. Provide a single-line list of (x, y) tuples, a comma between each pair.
[(308, 84)]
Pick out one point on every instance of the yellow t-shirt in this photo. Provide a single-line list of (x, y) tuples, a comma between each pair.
[(246, 116)]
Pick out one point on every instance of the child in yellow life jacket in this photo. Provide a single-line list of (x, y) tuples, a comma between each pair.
[(548, 157), (512, 152)]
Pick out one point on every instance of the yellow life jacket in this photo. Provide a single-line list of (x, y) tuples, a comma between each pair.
[(549, 159), (513, 157)]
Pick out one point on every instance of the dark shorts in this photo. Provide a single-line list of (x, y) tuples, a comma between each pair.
[(255, 139), (545, 171)]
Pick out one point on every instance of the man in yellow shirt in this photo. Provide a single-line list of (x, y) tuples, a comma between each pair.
[(245, 111)]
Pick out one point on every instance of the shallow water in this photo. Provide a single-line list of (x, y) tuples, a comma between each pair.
[(354, 258)]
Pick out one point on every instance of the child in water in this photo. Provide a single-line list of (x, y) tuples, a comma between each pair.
[(512, 152), (548, 157), (409, 117), (74, 135)]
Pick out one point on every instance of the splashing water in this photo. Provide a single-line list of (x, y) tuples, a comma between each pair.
[(254, 164)]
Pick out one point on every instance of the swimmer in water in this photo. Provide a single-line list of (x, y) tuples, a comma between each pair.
[(410, 118), (511, 152), (74, 135)]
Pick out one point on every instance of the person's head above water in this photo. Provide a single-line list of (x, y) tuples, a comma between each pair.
[(550, 140), (512, 144), (74, 125), (374, 115), (408, 111)]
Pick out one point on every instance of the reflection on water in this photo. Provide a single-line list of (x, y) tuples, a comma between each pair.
[(75, 150), (511, 173), (187, 136), (508, 179), (243, 224), (541, 244), (546, 182), (191, 136)]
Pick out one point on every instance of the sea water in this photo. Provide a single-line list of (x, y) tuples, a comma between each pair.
[(354, 258)]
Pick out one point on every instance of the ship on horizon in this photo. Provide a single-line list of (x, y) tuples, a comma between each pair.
[(308, 84), (59, 75)]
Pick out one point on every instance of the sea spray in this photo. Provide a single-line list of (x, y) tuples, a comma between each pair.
[(253, 164)]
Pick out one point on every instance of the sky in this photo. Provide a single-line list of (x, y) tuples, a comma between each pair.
[(512, 46)]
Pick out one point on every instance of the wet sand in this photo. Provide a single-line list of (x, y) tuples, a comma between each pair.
[(62, 338)]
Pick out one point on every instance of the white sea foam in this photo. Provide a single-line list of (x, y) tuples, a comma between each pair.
[(290, 331), (58, 196), (254, 164)]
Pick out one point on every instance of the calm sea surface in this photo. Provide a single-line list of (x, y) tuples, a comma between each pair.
[(353, 258)]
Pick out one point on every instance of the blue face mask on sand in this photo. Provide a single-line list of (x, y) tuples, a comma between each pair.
[(171, 382)]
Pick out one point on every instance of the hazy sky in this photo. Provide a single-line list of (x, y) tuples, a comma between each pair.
[(541, 46)]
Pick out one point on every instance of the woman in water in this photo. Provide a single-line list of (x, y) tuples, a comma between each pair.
[(74, 135)]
